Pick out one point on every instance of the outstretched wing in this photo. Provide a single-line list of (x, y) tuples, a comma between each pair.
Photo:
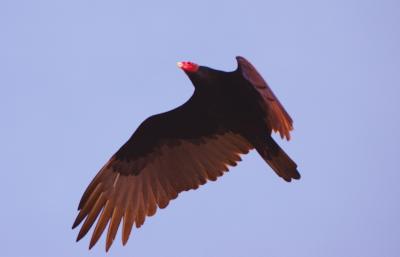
[(277, 116), (169, 153)]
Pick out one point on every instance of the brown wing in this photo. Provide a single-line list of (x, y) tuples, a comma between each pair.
[(277, 116), (169, 170)]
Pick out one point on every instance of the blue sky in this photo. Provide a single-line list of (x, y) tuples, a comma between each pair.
[(78, 77)]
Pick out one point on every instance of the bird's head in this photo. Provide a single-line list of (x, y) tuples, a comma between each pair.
[(201, 76), (188, 67)]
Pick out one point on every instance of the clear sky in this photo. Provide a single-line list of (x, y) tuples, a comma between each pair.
[(78, 77)]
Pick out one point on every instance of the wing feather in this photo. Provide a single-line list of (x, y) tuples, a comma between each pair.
[(102, 222), (140, 212), (129, 215), (113, 227), (127, 225), (277, 116)]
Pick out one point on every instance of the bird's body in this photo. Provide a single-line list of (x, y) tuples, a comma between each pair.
[(226, 109), (228, 114)]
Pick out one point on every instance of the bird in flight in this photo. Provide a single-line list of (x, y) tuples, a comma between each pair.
[(229, 114)]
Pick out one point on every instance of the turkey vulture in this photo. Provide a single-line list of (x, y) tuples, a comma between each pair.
[(229, 114)]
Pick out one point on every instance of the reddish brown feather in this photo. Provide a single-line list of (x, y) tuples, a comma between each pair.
[(102, 222), (150, 199), (129, 215), (119, 197), (127, 225), (113, 227), (140, 211)]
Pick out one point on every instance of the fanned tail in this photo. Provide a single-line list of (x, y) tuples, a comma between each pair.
[(279, 161)]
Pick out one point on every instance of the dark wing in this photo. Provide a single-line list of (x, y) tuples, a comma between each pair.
[(153, 167), (277, 116)]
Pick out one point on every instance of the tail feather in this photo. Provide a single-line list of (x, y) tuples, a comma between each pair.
[(279, 161)]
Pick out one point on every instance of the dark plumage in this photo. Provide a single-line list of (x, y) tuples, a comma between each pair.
[(229, 114)]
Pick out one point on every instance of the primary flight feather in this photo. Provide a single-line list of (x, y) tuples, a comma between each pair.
[(229, 114)]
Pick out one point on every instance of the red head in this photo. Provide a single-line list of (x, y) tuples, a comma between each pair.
[(188, 66)]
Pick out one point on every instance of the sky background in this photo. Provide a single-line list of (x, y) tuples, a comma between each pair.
[(78, 77)]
